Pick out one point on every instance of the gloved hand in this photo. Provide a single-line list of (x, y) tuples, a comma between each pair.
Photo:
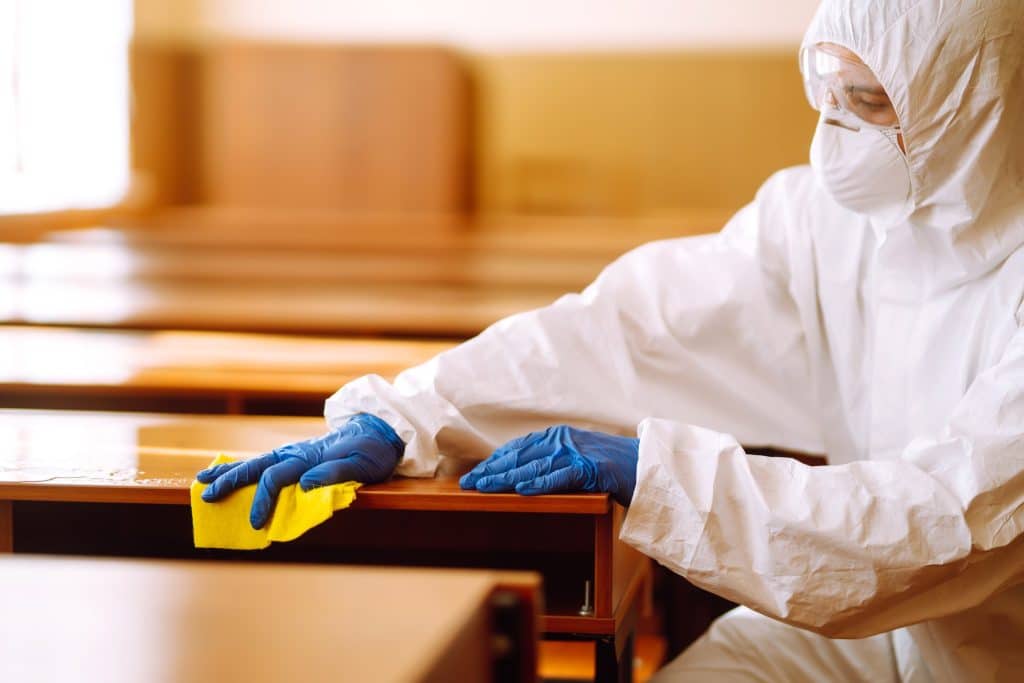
[(365, 449), (560, 459)]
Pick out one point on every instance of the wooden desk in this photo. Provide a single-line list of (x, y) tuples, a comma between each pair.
[(92, 620), (312, 273), (212, 226), (199, 372), (485, 269), (117, 484), (275, 307)]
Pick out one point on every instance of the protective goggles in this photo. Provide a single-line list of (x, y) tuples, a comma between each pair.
[(846, 91)]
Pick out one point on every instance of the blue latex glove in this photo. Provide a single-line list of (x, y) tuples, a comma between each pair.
[(560, 459), (365, 449)]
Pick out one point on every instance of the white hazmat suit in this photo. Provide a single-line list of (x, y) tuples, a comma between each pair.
[(895, 348)]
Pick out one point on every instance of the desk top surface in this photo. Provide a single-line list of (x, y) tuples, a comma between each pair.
[(138, 620), (212, 226), (152, 459), (208, 269), (126, 260), (274, 365), (236, 306)]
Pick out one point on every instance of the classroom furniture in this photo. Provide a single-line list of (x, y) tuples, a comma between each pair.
[(557, 255), (117, 484), (363, 276), (565, 661), (29, 227), (299, 227), (335, 308), (240, 262), (124, 621), (199, 372), (275, 124)]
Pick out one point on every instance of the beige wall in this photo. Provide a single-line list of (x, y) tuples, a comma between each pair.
[(502, 25), (636, 133)]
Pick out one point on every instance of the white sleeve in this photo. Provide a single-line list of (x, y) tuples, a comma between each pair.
[(699, 329), (849, 550)]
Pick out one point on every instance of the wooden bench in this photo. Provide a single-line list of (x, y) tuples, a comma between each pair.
[(273, 307), (83, 261), (215, 226), (121, 621), (203, 372)]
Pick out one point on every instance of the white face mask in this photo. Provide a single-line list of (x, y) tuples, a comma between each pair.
[(863, 171)]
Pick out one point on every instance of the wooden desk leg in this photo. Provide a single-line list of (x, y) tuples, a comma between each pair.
[(611, 669), (6, 526)]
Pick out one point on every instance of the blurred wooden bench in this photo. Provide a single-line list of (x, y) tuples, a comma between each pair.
[(302, 308), (243, 263), (117, 484), (120, 621), (203, 372), (604, 237), (364, 276), (275, 124)]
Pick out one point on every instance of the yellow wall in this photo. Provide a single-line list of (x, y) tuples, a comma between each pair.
[(635, 133)]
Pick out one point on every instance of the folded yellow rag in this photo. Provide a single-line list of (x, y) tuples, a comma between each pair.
[(225, 524)]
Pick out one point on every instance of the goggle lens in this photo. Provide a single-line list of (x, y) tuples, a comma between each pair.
[(846, 89)]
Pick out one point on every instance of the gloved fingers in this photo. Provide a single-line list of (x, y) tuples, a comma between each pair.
[(335, 472), (560, 481), (370, 443), (506, 481), (495, 464), (272, 481), (238, 475), (528, 448), (210, 473), (368, 425), (337, 443)]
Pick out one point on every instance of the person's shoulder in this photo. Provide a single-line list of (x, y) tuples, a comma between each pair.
[(793, 188), (794, 198), (798, 178)]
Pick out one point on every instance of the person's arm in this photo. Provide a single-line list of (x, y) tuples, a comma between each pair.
[(701, 330), (850, 550)]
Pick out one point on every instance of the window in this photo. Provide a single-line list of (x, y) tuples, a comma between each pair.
[(64, 103)]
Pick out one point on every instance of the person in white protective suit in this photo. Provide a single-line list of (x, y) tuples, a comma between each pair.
[(868, 307)]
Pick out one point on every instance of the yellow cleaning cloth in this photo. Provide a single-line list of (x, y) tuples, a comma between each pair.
[(225, 524)]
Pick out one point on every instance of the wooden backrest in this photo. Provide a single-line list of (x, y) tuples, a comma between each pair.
[(277, 125)]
